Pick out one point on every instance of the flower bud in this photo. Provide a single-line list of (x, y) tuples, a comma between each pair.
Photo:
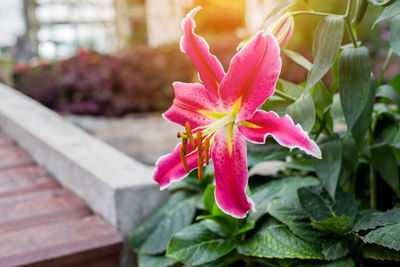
[(282, 29)]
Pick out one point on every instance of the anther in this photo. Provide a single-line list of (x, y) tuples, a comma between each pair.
[(199, 136), (207, 150), (183, 158), (189, 135), (200, 162), (184, 145)]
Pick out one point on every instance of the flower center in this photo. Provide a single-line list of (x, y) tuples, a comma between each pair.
[(201, 139)]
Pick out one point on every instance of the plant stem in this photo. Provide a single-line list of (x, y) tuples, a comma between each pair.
[(385, 66), (285, 96), (348, 23), (372, 181), (312, 12)]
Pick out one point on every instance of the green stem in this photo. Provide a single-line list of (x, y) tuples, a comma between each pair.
[(312, 12), (385, 66), (361, 9), (372, 181), (285, 96), (347, 18)]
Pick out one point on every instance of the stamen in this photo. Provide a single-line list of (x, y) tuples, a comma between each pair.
[(189, 135), (183, 159), (184, 145), (200, 142), (207, 150), (200, 162)]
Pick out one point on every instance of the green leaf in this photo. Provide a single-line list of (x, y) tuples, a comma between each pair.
[(328, 168), (388, 92), (389, 12), (303, 111), (291, 89), (349, 158), (345, 262), (387, 236), (300, 164), (228, 224), (245, 228), (155, 261), (394, 35), (209, 201), (354, 82), (338, 224), (175, 219), (290, 213), (362, 124), (285, 188), (395, 82), (316, 201), (384, 160), (334, 249), (198, 244), (376, 252), (140, 233), (274, 240), (381, 2), (370, 219), (327, 40), (322, 98), (298, 58)]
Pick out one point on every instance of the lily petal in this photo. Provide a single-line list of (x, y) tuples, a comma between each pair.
[(283, 130), (170, 168), (210, 69), (229, 157), (191, 99), (252, 76)]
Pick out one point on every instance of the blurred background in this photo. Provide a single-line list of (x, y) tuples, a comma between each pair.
[(111, 58)]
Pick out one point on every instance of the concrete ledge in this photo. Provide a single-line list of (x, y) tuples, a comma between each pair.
[(112, 184)]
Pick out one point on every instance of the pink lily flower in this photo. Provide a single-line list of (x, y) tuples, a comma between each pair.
[(219, 114)]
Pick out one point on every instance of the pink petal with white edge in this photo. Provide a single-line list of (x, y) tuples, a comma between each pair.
[(190, 99), (282, 130), (210, 69), (252, 75), (231, 173), (170, 167)]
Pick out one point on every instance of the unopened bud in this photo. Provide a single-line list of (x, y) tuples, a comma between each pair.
[(282, 29)]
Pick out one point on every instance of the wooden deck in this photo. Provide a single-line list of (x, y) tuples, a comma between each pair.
[(44, 224)]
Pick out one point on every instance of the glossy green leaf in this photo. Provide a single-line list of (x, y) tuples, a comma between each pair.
[(316, 201), (155, 261), (175, 219), (388, 92), (328, 168), (303, 111), (334, 249), (327, 39), (274, 240), (141, 232), (370, 219), (322, 98), (381, 2), (199, 244), (284, 188), (299, 59), (395, 34), (299, 164), (387, 236), (354, 82), (389, 11), (384, 161), (290, 213), (376, 252), (337, 224), (362, 124)]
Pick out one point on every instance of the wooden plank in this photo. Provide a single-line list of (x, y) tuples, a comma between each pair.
[(12, 156), (39, 207), (60, 244), (29, 171), (5, 140)]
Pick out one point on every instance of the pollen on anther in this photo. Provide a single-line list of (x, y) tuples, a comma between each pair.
[(183, 159), (207, 150), (200, 162), (189, 134), (200, 142)]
